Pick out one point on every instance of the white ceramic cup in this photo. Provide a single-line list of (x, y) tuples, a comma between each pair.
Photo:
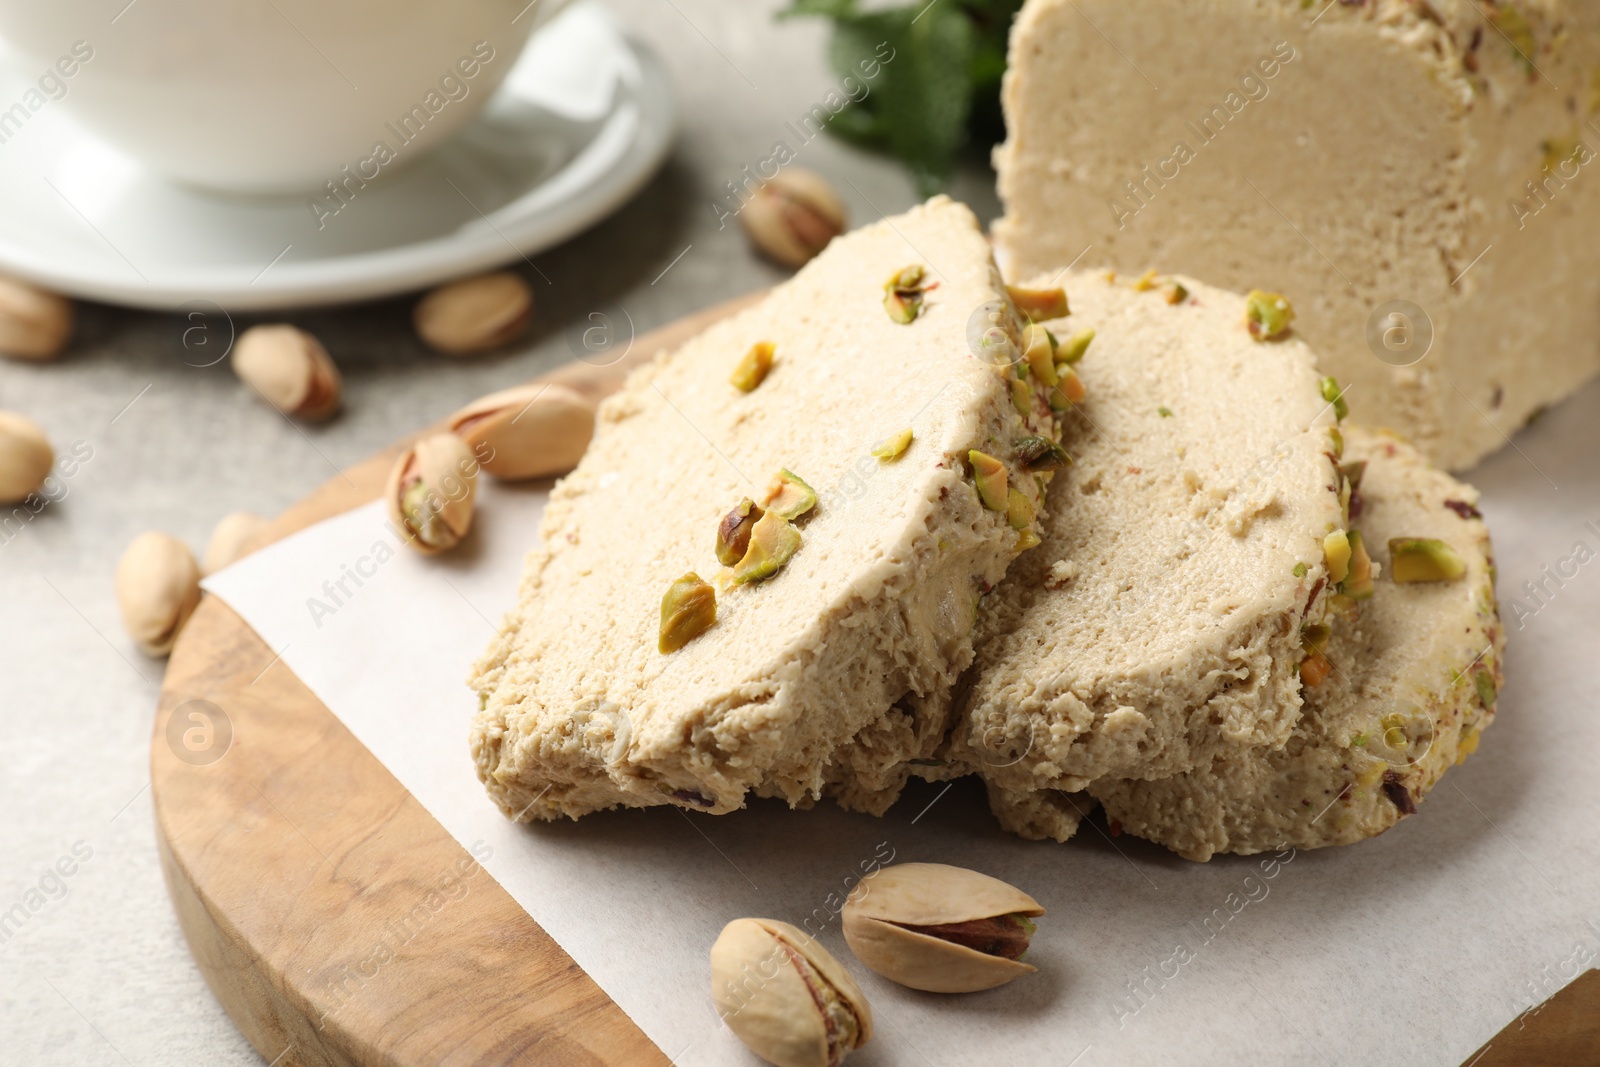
[(270, 96)]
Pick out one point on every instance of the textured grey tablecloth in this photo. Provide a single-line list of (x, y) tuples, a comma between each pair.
[(100, 974)]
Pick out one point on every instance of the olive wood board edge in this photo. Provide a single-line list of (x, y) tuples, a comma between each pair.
[(339, 924)]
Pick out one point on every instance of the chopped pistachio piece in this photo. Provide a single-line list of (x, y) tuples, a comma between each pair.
[(1176, 293), (789, 495), (903, 292), (1022, 397), (1164, 411), (1039, 305), (890, 448), (1423, 559), (1483, 682), (1358, 583), (1314, 638), (773, 542), (1072, 350), (990, 475), (1337, 438), (1353, 472), (1039, 354), (1343, 607), (687, 610), (1026, 539), (1335, 396), (1300, 570), (733, 532), (1041, 454), (1146, 282), (1314, 669), (1267, 314), (1019, 509), (1070, 387), (752, 369), (1336, 550)]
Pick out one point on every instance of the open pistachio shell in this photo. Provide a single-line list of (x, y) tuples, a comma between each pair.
[(941, 897), (785, 996), (530, 431), (431, 491), (158, 588)]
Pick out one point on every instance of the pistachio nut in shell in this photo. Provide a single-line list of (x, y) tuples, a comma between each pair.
[(290, 370), (474, 314), (785, 996), (793, 216), (25, 458), (940, 928), (158, 588), (529, 431), (231, 540), (34, 324), (431, 491)]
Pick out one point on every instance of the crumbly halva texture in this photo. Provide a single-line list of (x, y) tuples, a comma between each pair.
[(580, 711), (1444, 152), (1413, 685), (1158, 622)]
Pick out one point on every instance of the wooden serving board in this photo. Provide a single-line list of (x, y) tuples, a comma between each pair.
[(293, 859)]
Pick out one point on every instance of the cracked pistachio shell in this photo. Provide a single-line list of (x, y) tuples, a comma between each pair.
[(529, 431), (793, 216), (290, 370), (158, 588), (474, 314), (231, 540), (25, 458), (785, 996), (931, 895), (34, 324), (431, 490)]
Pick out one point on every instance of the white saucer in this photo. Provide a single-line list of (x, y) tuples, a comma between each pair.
[(582, 121)]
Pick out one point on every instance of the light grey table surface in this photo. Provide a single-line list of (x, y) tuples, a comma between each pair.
[(100, 974)]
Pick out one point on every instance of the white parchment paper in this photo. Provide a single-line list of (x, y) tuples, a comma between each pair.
[(1413, 948)]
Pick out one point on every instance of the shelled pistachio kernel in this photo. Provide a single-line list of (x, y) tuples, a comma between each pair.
[(733, 532), (1040, 354), (753, 368), (1041, 454), (1146, 282), (1022, 397), (1026, 539), (1301, 570), (1073, 348), (1176, 293), (793, 216), (1019, 509), (789, 495), (688, 608), (431, 490), (785, 996), (990, 476), (1314, 637), (773, 543), (939, 928), (889, 448), (1336, 551), (1358, 583), (1335, 396), (1268, 315), (1336, 438), (903, 293), (1423, 559), (1315, 668), (1039, 305), (474, 314)]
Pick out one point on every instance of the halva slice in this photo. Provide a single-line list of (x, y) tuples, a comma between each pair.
[(1412, 684), (1418, 177), (1159, 621), (779, 531)]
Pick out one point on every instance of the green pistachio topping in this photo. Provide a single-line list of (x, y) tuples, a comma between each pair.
[(789, 495), (1268, 315), (1335, 396), (1041, 454), (1072, 350), (687, 610), (891, 447), (903, 293), (1423, 559), (752, 369), (773, 542), (990, 475)]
